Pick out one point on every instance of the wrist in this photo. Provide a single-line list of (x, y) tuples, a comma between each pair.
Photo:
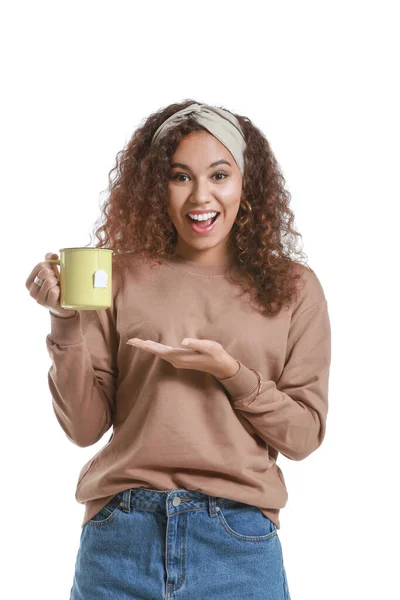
[(229, 369), (62, 316)]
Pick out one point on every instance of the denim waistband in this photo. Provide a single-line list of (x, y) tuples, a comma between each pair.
[(170, 501)]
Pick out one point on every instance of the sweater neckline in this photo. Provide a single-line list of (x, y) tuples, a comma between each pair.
[(183, 264)]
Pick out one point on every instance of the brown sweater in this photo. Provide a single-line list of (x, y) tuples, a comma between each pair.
[(181, 428)]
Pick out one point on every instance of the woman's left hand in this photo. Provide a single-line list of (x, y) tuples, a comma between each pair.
[(200, 355)]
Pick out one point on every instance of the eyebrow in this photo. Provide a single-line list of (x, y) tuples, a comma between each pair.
[(214, 164)]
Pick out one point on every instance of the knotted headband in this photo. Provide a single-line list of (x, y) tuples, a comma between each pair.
[(221, 123)]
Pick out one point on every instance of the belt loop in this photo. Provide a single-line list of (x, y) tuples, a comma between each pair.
[(212, 506), (126, 501)]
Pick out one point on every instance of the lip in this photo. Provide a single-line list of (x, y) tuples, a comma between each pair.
[(196, 229), (200, 212)]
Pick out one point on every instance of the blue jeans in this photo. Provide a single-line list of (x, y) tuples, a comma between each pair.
[(177, 544)]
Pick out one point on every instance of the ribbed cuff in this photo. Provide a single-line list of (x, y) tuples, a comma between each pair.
[(66, 330), (241, 385)]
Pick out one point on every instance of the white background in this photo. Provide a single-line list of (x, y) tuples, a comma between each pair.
[(320, 80)]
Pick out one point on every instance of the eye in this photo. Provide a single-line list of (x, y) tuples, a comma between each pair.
[(178, 175), (221, 173), (175, 177)]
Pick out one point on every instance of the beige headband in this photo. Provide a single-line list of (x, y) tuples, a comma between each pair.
[(221, 123)]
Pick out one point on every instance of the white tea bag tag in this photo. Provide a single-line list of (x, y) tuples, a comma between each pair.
[(100, 279)]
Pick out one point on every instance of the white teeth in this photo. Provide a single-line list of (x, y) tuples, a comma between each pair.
[(202, 217)]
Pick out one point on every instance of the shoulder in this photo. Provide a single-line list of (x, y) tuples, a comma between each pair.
[(310, 289)]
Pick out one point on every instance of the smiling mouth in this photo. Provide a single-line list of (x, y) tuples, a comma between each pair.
[(205, 220), (202, 226)]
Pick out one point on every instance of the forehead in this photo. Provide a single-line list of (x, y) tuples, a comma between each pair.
[(200, 146)]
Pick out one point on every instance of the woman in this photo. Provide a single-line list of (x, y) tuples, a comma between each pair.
[(184, 499)]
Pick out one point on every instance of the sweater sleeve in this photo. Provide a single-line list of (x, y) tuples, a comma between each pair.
[(291, 414), (83, 375)]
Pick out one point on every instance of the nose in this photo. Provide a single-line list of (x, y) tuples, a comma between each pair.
[(200, 192)]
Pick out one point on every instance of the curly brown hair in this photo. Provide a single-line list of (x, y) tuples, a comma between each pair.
[(134, 218)]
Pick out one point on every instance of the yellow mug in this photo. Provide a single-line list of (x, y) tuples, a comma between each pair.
[(85, 277)]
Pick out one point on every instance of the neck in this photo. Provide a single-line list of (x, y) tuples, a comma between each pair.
[(206, 269), (211, 257)]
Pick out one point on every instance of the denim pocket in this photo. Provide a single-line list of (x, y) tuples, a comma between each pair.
[(107, 514), (246, 522)]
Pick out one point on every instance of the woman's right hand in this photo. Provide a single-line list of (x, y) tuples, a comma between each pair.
[(48, 294)]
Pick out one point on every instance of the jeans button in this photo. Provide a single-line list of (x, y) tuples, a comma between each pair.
[(176, 501)]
